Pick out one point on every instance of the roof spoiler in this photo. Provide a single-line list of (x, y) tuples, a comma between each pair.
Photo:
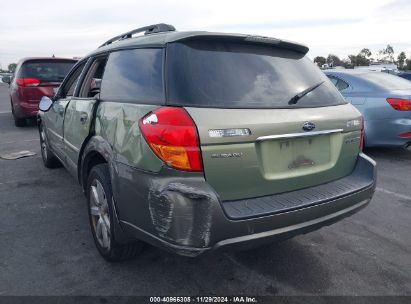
[(284, 44), (278, 42)]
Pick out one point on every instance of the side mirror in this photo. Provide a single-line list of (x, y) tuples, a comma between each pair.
[(6, 79), (45, 104)]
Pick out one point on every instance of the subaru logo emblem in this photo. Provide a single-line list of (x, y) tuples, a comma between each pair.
[(308, 126)]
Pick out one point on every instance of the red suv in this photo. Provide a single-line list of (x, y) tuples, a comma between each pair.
[(33, 79)]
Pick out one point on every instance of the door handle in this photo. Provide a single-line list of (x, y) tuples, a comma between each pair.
[(60, 110), (83, 117)]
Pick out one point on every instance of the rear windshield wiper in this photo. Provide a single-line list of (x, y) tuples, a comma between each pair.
[(300, 95)]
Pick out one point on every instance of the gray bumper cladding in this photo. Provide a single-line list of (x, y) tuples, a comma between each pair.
[(184, 215), (360, 179)]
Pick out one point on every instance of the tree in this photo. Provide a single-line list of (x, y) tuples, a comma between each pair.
[(362, 60), (366, 53), (401, 60), (359, 60), (12, 67), (353, 60), (347, 63), (388, 53), (333, 60), (320, 60)]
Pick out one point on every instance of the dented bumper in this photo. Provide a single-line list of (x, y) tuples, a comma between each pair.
[(180, 211)]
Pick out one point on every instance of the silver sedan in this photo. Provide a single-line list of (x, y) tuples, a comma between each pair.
[(383, 99)]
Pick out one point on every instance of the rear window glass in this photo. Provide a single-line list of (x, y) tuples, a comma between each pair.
[(232, 75), (134, 76), (46, 70), (387, 81)]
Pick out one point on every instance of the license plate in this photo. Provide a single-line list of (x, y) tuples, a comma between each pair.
[(305, 152), (283, 156)]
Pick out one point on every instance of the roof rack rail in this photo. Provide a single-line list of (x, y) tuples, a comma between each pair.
[(150, 29)]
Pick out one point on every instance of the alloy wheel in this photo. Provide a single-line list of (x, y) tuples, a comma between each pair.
[(100, 214), (43, 144)]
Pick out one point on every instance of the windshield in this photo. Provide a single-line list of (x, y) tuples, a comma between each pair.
[(234, 75), (46, 70), (387, 81)]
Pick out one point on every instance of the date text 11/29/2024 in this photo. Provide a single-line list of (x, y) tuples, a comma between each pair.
[(204, 299)]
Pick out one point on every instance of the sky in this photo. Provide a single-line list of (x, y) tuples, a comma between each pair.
[(74, 28)]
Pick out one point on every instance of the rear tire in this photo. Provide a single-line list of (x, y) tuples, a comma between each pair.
[(18, 122), (49, 159), (101, 216)]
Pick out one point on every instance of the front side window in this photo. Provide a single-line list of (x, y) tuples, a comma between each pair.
[(71, 83), (134, 76)]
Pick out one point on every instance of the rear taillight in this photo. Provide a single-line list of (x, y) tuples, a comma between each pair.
[(400, 104), (27, 82), (405, 135), (172, 135), (362, 134)]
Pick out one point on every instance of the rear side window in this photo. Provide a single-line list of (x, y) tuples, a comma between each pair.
[(339, 84), (134, 76), (233, 75), (46, 70)]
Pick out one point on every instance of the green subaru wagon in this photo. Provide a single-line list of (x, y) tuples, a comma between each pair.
[(199, 141)]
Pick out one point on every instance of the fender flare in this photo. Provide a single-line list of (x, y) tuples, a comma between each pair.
[(93, 146)]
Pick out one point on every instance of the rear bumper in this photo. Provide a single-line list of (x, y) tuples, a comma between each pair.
[(387, 132), (185, 216), (360, 179), (26, 110), (339, 209)]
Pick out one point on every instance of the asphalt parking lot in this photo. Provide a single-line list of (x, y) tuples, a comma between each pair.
[(46, 247)]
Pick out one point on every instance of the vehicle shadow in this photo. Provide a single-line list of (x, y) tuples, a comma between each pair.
[(288, 264), (386, 152), (7, 123)]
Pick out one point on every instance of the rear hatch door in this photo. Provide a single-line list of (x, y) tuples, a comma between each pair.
[(253, 142), (277, 155), (44, 75)]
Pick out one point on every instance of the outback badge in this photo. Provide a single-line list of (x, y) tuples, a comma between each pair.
[(308, 126)]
